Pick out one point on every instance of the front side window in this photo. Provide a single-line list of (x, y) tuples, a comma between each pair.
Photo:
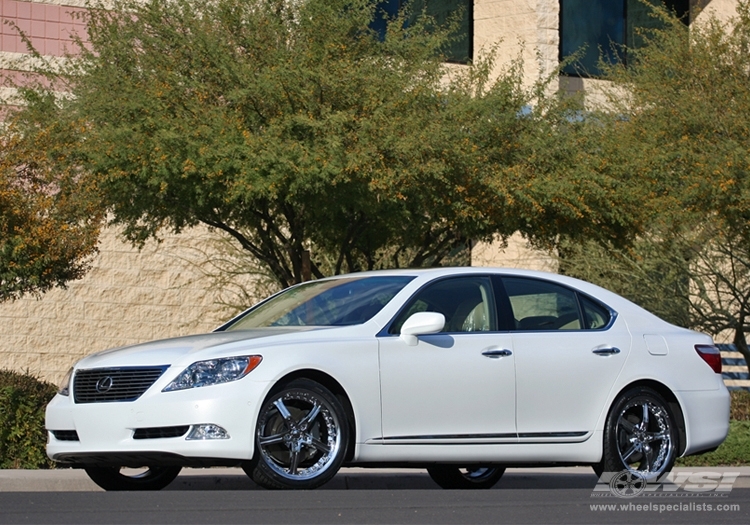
[(606, 28), (331, 302), (466, 302)]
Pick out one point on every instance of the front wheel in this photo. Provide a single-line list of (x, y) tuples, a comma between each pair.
[(149, 478), (450, 477), (300, 438), (640, 435)]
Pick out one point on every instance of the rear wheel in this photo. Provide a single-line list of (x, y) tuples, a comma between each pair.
[(450, 477), (640, 436), (120, 478), (300, 438)]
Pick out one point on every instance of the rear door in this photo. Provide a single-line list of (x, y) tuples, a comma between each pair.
[(569, 350)]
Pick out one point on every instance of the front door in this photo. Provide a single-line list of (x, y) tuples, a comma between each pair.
[(457, 386)]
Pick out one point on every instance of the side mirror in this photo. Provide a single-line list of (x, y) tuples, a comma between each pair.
[(421, 323)]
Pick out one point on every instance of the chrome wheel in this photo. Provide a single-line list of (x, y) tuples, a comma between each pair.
[(300, 437), (644, 437), (641, 436)]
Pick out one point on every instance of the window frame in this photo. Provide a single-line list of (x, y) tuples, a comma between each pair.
[(510, 319), (387, 330), (682, 7), (386, 7)]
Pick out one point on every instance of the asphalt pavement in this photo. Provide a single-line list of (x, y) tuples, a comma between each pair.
[(76, 480)]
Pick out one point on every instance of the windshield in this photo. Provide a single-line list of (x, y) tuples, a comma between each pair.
[(334, 302)]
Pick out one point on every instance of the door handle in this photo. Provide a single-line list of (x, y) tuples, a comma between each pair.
[(606, 351), (496, 353)]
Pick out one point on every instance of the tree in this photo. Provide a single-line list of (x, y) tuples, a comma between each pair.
[(679, 116), (294, 128), (48, 224)]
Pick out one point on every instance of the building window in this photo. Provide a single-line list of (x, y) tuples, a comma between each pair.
[(605, 26), (460, 49)]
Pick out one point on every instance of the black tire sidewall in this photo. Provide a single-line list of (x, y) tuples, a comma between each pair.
[(450, 477), (111, 479)]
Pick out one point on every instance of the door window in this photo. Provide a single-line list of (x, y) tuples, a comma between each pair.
[(466, 302)]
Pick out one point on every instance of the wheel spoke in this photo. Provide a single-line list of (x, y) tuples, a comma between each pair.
[(283, 410), (644, 419), (627, 425), (647, 458), (293, 462), (271, 440), (310, 417), (661, 436), (320, 445), (632, 450)]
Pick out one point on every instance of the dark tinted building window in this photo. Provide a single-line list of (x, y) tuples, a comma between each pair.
[(460, 49), (605, 26)]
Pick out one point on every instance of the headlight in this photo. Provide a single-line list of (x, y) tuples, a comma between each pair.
[(64, 389), (214, 372)]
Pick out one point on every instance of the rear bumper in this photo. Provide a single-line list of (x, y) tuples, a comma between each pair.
[(706, 418)]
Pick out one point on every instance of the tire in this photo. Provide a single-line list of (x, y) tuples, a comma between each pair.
[(450, 477), (153, 478), (640, 436), (300, 439)]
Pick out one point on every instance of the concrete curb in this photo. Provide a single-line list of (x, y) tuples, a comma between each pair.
[(75, 480)]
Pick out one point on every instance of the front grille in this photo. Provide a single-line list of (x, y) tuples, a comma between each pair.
[(65, 435), (160, 432), (106, 385)]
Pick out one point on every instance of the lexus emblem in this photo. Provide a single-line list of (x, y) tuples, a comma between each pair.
[(104, 385)]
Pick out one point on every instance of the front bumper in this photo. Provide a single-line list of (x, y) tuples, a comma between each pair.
[(106, 432)]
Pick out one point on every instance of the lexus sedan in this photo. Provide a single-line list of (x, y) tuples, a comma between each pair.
[(462, 371)]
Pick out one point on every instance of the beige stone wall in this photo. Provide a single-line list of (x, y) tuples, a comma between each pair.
[(515, 253), (129, 296), (519, 28), (721, 9)]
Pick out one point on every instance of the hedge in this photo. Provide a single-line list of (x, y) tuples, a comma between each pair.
[(23, 437)]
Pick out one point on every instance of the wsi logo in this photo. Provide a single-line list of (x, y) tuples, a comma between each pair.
[(677, 484)]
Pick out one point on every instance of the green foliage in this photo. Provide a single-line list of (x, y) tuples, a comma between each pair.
[(48, 225), (678, 117), (292, 127), (740, 408), (735, 451), (686, 117), (23, 437)]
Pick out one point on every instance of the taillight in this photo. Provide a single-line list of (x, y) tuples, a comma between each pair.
[(711, 355)]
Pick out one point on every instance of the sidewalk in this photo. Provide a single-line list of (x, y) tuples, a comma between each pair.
[(75, 480)]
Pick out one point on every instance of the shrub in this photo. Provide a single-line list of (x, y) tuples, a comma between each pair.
[(23, 437), (740, 410)]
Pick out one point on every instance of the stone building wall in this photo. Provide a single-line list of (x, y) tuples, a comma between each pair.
[(129, 296)]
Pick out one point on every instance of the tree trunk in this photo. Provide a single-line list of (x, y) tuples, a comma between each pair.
[(741, 344)]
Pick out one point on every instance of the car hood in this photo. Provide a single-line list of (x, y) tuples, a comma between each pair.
[(170, 351)]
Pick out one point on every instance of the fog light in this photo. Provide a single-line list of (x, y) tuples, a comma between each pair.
[(208, 431)]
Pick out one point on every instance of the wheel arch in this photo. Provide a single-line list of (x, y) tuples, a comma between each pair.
[(674, 404), (336, 389)]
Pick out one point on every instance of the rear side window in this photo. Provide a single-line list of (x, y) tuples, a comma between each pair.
[(538, 305), (542, 306), (595, 315)]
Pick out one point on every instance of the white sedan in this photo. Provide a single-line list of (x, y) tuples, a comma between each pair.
[(460, 371)]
